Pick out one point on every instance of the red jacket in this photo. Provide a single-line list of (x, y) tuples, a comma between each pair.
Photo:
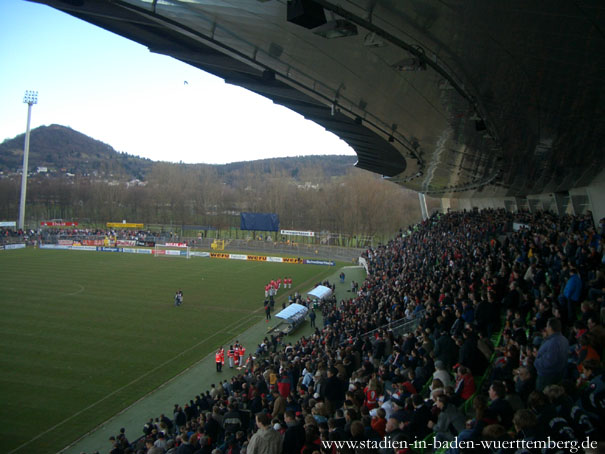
[(379, 425), (283, 386), (465, 386)]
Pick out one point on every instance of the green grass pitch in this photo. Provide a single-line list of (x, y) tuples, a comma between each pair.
[(85, 334)]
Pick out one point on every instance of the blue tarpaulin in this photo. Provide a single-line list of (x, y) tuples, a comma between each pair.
[(259, 221)]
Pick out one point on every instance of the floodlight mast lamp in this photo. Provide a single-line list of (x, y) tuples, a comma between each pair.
[(30, 98)]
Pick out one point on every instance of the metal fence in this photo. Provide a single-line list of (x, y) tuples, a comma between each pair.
[(278, 248), (398, 327), (256, 247)]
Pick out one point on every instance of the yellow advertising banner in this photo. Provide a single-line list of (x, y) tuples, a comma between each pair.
[(124, 225)]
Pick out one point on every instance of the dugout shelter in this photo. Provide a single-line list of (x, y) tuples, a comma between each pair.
[(320, 292), (293, 315)]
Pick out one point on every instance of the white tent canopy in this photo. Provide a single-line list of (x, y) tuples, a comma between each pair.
[(293, 312), (320, 292)]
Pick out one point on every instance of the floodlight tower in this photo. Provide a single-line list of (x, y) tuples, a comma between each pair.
[(30, 98)]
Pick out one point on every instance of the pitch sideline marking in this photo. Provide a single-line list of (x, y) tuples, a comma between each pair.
[(40, 435)]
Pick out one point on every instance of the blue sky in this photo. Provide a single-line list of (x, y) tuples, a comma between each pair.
[(116, 91)]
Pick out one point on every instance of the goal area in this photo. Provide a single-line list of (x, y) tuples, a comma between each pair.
[(172, 250), (218, 245)]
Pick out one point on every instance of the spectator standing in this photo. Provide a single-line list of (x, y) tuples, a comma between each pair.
[(186, 446), (312, 317), (333, 390), (551, 360), (180, 419), (571, 294), (232, 421), (294, 438), (279, 405), (266, 440), (151, 449)]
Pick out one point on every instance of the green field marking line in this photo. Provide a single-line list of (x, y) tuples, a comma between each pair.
[(80, 290), (237, 323), (234, 325), (228, 330)]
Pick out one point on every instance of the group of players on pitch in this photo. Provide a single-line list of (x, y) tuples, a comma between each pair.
[(235, 354), (272, 287)]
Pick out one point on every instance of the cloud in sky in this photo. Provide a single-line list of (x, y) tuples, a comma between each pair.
[(145, 104)]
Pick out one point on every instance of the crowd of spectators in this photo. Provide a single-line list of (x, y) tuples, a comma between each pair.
[(52, 235), (10, 235), (508, 347)]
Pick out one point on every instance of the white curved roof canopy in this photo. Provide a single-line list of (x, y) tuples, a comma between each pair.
[(320, 292)]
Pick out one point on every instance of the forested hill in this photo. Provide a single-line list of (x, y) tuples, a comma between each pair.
[(75, 177), (62, 150)]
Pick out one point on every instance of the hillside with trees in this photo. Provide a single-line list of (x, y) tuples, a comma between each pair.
[(88, 181), (62, 150)]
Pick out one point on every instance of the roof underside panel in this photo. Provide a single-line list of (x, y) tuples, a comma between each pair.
[(458, 98)]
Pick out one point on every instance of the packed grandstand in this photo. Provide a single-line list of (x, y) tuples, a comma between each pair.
[(507, 348)]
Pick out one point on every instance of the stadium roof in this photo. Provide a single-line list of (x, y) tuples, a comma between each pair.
[(452, 98)]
